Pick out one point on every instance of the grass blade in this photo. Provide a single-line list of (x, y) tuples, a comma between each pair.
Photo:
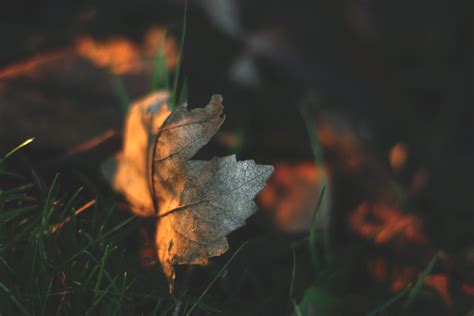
[(159, 77), (122, 94), (312, 239), (183, 96), (215, 279), (420, 282), (14, 150), (102, 295), (318, 155), (13, 299), (388, 303), (180, 59)]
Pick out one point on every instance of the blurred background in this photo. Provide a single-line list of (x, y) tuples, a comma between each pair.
[(372, 99)]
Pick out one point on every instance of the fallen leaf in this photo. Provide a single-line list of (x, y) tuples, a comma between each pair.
[(197, 203), (385, 224)]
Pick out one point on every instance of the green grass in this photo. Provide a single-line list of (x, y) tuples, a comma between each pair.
[(17, 148), (84, 268)]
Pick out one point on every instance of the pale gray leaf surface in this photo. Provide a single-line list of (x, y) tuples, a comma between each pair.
[(200, 202)]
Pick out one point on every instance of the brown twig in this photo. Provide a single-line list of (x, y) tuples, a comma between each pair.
[(91, 143), (57, 226)]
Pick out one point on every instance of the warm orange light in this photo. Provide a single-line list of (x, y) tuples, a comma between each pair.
[(119, 55), (439, 283), (398, 156), (30, 66), (292, 194), (385, 224), (122, 56)]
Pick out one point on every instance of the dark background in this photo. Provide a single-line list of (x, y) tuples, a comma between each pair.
[(386, 71)]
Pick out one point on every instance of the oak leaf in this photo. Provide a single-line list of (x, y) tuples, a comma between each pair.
[(197, 203)]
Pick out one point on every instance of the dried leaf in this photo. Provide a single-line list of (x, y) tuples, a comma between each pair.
[(197, 203), (128, 171)]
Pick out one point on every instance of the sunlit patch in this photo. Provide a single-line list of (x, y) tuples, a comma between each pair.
[(440, 283), (120, 55), (385, 224), (292, 194), (398, 156)]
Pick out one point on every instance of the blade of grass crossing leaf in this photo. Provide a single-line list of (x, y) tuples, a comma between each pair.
[(312, 239), (391, 301), (215, 279), (180, 59), (420, 282)]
